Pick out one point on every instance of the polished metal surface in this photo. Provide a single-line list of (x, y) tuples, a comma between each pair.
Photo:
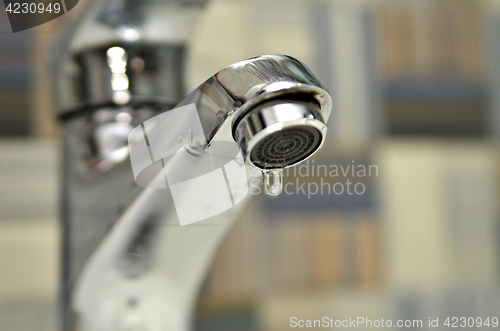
[(152, 34), (127, 264), (239, 88), (126, 74)]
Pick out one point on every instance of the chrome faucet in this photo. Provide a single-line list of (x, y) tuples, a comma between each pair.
[(127, 262)]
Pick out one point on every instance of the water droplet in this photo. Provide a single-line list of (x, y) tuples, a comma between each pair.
[(273, 182)]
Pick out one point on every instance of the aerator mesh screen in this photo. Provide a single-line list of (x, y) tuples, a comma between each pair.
[(286, 147)]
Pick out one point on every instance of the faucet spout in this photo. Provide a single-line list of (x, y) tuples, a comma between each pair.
[(274, 109)]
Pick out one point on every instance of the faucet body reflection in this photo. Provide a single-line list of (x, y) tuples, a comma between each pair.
[(127, 262)]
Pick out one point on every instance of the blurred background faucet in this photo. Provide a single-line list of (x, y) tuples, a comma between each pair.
[(127, 263)]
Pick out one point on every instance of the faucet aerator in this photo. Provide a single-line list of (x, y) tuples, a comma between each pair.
[(280, 134)]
